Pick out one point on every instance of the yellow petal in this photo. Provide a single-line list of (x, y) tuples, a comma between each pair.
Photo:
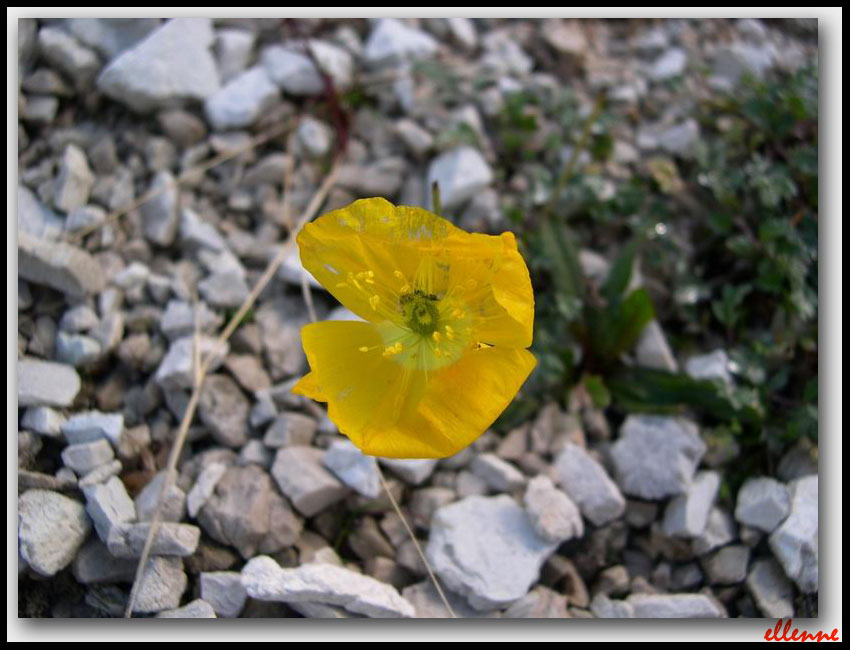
[(512, 288), (362, 389), (490, 276), (388, 409), (370, 252), (382, 244), (461, 402), (308, 387)]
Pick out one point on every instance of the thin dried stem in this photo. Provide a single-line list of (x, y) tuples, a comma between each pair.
[(202, 168), (416, 544), (308, 299), (286, 217), (171, 467), (201, 367), (283, 251)]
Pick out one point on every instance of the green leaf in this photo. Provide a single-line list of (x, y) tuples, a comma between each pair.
[(810, 392), (803, 421), (729, 308), (650, 390), (595, 387), (666, 174), (614, 329), (562, 256), (620, 273), (719, 222), (779, 379), (602, 146), (456, 135), (635, 312)]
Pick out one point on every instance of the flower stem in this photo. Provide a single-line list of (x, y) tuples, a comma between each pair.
[(435, 198), (569, 169), (415, 541)]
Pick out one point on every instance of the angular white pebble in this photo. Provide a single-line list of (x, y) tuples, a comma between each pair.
[(264, 579)]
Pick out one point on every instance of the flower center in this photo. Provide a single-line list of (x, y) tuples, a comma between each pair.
[(420, 312), (430, 334)]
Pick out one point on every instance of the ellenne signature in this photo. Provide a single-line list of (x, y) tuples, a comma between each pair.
[(796, 635)]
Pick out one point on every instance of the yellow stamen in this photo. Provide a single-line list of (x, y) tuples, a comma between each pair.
[(393, 349), (363, 348), (450, 333), (436, 336), (374, 301)]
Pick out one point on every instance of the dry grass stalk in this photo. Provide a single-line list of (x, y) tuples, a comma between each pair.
[(308, 299), (416, 544), (201, 367), (261, 138)]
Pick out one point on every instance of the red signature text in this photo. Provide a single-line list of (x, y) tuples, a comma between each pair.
[(778, 633)]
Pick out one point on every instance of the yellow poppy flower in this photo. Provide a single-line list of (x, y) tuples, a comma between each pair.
[(448, 315)]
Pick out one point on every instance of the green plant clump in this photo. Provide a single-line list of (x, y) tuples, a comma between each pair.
[(726, 241)]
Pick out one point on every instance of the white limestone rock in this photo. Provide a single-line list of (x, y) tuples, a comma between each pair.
[(460, 173), (587, 483), (391, 43), (669, 65), (714, 365), (486, 549), (171, 65), (326, 584), (795, 542), (35, 218), (51, 529), (354, 468), (127, 540), (770, 589), (162, 585), (687, 514), (109, 505), (554, 516), (303, 479), (175, 370), (45, 383), (65, 53), (411, 470), (88, 426), (204, 487), (242, 100), (500, 475), (655, 457), (675, 606), (86, 456), (763, 503), (111, 36), (159, 214), (58, 265), (224, 591), (196, 609), (233, 51)]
